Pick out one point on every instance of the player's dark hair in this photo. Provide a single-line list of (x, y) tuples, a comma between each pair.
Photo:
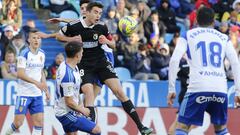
[(72, 48), (83, 2), (205, 16), (94, 4)]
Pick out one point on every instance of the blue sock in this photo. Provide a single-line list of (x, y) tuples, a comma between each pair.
[(222, 132), (180, 132), (13, 127)]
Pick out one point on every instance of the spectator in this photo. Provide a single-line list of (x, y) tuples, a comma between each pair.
[(154, 26), (144, 10), (233, 19), (12, 16), (140, 29), (18, 43), (9, 66), (52, 70), (167, 15), (121, 9), (236, 7), (143, 62), (224, 28), (6, 37), (221, 7), (111, 21), (192, 16), (160, 61), (129, 50)]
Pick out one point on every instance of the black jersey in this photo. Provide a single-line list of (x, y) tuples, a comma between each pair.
[(92, 50)]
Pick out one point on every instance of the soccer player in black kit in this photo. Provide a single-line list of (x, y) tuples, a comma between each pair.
[(94, 63)]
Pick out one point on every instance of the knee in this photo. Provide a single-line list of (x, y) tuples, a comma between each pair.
[(38, 122), (183, 126), (96, 130), (18, 124)]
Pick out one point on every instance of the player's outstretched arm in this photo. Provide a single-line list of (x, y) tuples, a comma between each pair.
[(58, 20)]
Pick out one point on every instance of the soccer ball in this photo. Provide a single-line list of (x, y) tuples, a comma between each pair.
[(127, 25)]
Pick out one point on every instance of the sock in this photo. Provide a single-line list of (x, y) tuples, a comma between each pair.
[(180, 132), (92, 113), (11, 130), (222, 132), (130, 110), (37, 130)]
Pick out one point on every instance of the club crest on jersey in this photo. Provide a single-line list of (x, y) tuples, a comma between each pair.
[(20, 109), (41, 59), (95, 36)]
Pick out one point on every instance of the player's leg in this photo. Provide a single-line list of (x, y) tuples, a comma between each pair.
[(115, 86), (36, 110), (21, 108), (107, 74), (88, 92), (191, 112), (88, 76), (83, 124), (218, 112)]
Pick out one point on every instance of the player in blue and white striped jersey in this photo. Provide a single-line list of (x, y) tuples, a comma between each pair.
[(31, 84), (207, 91), (67, 107)]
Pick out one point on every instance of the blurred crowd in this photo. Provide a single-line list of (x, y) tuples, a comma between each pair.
[(146, 53)]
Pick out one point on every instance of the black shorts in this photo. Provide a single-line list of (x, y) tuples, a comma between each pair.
[(101, 69)]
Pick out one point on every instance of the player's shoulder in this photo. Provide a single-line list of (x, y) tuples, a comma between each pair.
[(75, 22), (41, 51), (24, 52), (65, 72)]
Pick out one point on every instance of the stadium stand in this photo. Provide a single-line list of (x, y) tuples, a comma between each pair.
[(50, 46)]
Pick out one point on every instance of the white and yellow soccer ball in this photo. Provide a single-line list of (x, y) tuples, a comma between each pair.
[(127, 25)]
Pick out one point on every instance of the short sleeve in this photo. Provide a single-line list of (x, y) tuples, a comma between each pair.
[(21, 62), (68, 90)]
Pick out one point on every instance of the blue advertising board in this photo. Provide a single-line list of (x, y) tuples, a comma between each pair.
[(142, 93)]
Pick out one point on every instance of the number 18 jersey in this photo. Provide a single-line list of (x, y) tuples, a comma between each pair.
[(206, 49)]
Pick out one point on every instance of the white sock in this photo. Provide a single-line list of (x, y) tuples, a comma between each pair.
[(11, 130), (37, 130)]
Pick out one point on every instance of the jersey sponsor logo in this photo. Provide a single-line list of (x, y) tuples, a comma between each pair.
[(95, 36), (90, 44), (211, 73), (203, 99), (34, 65)]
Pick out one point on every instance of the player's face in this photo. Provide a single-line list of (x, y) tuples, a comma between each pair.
[(83, 9), (34, 40), (94, 15)]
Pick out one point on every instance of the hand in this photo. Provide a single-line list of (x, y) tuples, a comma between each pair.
[(170, 98), (55, 20), (76, 38), (102, 39), (42, 86), (85, 111), (237, 101), (43, 35)]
